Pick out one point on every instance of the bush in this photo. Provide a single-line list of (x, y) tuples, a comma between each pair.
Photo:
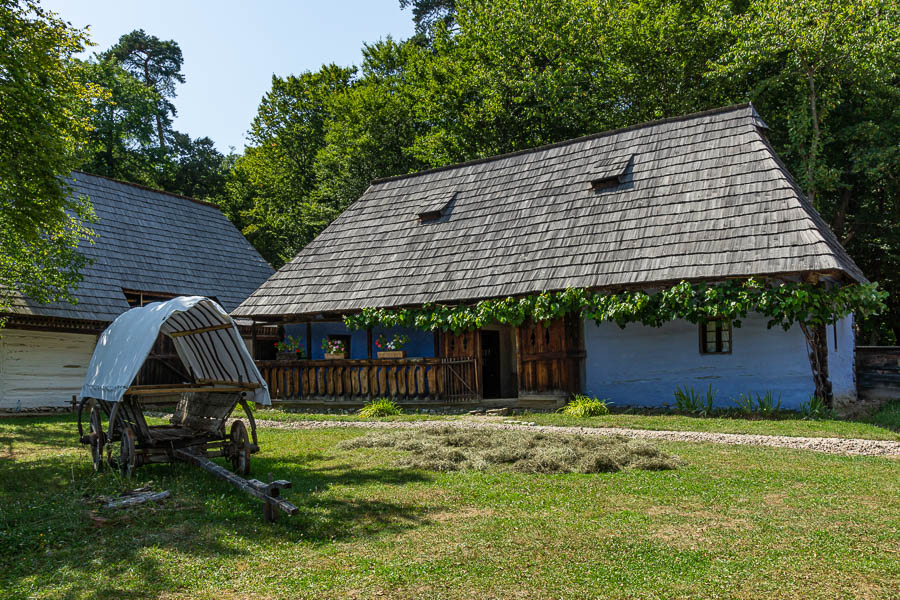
[(380, 407), (583, 406), (688, 400)]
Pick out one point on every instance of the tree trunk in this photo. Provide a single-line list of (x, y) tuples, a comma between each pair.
[(817, 136), (817, 343)]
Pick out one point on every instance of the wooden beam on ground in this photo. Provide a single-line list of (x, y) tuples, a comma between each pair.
[(236, 480)]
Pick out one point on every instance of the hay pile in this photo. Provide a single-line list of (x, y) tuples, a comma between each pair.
[(455, 449)]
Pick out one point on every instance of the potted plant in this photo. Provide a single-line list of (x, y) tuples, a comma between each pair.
[(291, 348), (391, 347), (334, 348)]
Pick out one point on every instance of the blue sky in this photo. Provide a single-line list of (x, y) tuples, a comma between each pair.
[(232, 48)]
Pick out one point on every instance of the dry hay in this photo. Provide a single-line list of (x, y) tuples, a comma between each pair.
[(455, 449)]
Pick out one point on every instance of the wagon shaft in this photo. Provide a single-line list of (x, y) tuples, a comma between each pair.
[(251, 487)]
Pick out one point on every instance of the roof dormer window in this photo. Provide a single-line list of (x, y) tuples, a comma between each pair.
[(435, 208), (610, 172)]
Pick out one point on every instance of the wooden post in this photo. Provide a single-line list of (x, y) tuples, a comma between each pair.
[(369, 341), (437, 343), (308, 339), (253, 351), (479, 384)]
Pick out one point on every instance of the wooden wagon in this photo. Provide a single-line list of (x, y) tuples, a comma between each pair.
[(111, 417)]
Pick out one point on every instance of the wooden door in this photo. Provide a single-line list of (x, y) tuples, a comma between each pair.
[(465, 345), (550, 356)]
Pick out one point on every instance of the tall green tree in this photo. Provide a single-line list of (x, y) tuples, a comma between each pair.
[(270, 190), (41, 124), (825, 76), (122, 125), (157, 63)]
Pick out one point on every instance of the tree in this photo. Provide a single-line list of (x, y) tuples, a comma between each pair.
[(269, 192), (824, 75), (41, 124), (158, 64), (122, 127), (429, 13), (371, 128), (194, 167)]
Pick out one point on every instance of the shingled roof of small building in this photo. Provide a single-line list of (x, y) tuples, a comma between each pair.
[(699, 197), (153, 241)]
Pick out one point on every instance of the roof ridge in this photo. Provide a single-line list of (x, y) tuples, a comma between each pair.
[(150, 189), (591, 136)]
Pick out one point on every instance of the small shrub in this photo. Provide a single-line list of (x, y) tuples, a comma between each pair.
[(584, 406), (765, 404), (768, 404), (380, 407), (815, 409), (688, 400)]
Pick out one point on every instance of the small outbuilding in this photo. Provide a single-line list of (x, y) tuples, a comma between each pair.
[(698, 198), (149, 246)]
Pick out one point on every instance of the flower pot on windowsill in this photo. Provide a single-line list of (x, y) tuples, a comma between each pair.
[(288, 355), (392, 354), (335, 355)]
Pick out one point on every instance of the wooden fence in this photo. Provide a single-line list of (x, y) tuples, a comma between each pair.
[(878, 372), (407, 379)]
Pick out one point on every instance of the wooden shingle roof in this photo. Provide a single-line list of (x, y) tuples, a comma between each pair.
[(153, 241), (699, 197)]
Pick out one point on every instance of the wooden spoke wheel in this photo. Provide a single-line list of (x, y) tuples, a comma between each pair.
[(124, 457), (97, 436), (240, 449)]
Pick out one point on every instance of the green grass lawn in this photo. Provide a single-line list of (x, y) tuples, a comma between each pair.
[(882, 426), (732, 522)]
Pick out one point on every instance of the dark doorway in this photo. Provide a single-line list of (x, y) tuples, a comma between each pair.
[(490, 363)]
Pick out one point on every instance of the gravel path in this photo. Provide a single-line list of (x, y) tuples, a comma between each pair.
[(816, 444)]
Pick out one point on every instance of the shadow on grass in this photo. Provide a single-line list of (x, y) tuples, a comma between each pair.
[(51, 538)]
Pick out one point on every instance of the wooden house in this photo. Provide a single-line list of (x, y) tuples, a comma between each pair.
[(149, 246), (701, 197)]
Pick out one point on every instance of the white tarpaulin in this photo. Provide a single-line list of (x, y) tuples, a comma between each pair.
[(205, 337)]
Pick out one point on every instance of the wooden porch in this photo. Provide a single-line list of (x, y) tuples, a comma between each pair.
[(413, 380), (541, 362)]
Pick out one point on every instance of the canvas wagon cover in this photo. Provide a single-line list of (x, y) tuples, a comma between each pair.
[(218, 354)]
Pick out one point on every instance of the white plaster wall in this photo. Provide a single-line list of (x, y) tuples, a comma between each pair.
[(841, 367), (41, 368), (642, 366)]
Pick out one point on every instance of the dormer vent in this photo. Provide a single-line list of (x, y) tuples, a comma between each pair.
[(610, 172), (435, 208)]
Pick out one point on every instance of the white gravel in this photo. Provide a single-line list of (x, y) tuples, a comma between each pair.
[(816, 444)]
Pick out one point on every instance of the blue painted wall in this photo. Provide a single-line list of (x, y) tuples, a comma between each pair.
[(420, 344), (642, 366)]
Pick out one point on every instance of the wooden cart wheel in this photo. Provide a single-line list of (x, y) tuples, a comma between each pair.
[(240, 449), (97, 436), (124, 457)]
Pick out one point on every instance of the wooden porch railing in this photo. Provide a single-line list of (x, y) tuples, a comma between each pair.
[(405, 379)]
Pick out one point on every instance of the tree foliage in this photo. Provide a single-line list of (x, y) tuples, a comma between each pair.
[(132, 137), (40, 127), (785, 303)]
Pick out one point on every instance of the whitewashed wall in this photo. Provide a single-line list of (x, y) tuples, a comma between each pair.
[(642, 366), (42, 369)]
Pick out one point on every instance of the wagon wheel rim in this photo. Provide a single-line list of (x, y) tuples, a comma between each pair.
[(240, 449), (122, 456), (97, 437), (127, 453)]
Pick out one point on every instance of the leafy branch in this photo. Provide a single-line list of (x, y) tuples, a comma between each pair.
[(784, 304)]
